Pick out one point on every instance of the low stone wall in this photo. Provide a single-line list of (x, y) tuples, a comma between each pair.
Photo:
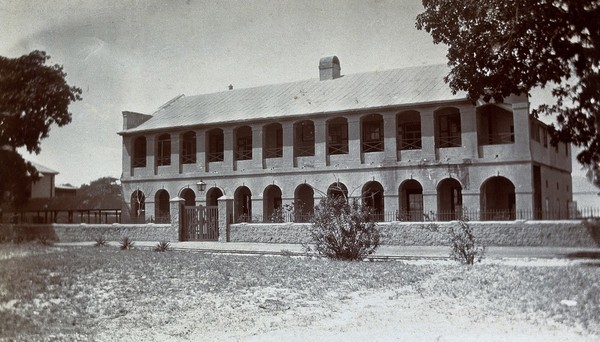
[(513, 233), (89, 232), (270, 232)]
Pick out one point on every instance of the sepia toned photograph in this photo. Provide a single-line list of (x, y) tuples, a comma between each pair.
[(225, 170)]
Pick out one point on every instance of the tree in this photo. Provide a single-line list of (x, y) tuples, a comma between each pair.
[(103, 193), (501, 47), (33, 96)]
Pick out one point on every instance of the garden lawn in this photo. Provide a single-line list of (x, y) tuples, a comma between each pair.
[(104, 294)]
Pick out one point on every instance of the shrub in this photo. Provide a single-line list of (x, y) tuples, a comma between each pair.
[(162, 246), (343, 229), (126, 243), (463, 245), (100, 241)]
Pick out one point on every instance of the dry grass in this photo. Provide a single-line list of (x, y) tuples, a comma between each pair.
[(50, 293)]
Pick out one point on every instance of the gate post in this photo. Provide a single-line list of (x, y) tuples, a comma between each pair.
[(225, 217), (176, 204)]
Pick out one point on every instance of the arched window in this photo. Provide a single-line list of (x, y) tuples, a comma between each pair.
[(242, 205), (139, 152), (372, 197), (411, 201), (304, 203), (138, 206), (304, 138), (215, 143), (409, 130), (162, 210), (447, 128), (497, 199), (372, 133), (243, 147), (495, 125), (337, 136), (336, 190), (189, 197), (273, 141), (163, 150), (212, 196), (449, 200), (188, 148), (272, 204)]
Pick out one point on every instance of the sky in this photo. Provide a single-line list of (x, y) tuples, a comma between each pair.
[(136, 55)]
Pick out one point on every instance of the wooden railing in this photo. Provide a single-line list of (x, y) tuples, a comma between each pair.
[(338, 148), (243, 155), (214, 156), (410, 144), (273, 152), (449, 141), (372, 146), (498, 138), (304, 151)]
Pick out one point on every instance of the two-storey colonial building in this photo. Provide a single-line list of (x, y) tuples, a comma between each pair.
[(397, 138)]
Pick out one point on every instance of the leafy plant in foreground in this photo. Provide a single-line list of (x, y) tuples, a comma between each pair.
[(126, 243), (100, 241), (462, 243), (162, 246), (343, 229), (45, 240)]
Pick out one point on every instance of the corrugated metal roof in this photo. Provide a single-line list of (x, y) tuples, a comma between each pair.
[(378, 89), (43, 169)]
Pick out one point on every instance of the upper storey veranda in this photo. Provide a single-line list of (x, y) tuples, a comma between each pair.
[(396, 117)]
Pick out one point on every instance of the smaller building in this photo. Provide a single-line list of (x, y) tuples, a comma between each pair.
[(44, 187)]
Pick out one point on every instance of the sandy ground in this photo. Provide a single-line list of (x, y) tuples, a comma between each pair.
[(276, 314), (273, 315)]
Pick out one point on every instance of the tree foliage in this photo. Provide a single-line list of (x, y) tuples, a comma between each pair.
[(33, 96), (501, 47), (343, 229), (102, 193)]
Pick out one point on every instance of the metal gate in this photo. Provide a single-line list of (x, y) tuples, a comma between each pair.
[(200, 223)]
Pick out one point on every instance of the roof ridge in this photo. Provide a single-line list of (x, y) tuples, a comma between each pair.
[(315, 80)]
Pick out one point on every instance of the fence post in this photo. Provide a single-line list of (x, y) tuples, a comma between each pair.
[(225, 211), (176, 208)]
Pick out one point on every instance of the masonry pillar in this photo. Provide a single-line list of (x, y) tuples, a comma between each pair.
[(468, 127), (151, 154), (354, 151), (201, 150), (288, 144), (521, 123), (427, 135), (389, 139), (225, 204), (175, 152), (176, 205), (429, 202), (257, 147), (320, 142), (127, 155), (228, 149)]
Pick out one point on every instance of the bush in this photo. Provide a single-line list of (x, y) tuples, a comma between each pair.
[(126, 243), (343, 230), (162, 246), (463, 245)]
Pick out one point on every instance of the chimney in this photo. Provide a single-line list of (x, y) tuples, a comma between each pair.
[(329, 68)]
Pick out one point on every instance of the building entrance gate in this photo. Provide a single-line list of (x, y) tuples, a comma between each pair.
[(200, 223)]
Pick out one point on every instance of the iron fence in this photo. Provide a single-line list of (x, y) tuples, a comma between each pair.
[(449, 215), (97, 216)]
